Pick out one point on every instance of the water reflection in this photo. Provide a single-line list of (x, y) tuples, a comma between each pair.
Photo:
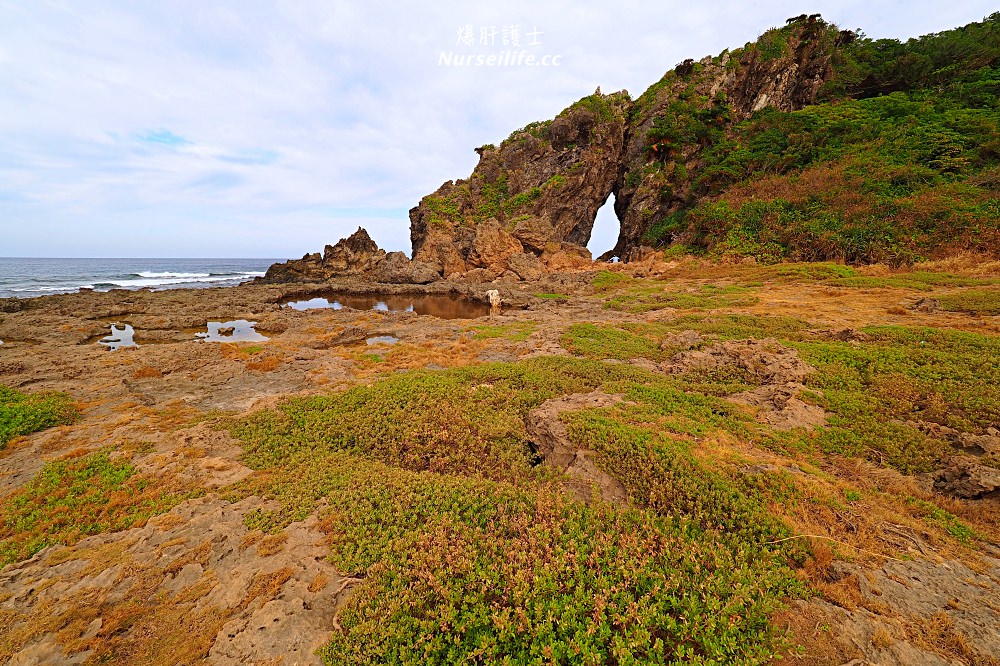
[(382, 340), (239, 330), (119, 338), (443, 307)]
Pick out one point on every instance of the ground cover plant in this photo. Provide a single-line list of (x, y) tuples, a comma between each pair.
[(25, 413)]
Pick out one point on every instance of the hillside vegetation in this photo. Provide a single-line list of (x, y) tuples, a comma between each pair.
[(898, 162)]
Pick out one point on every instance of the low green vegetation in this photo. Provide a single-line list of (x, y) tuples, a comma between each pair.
[(73, 498), (470, 552), (515, 331), (973, 301), (431, 492), (875, 391), (634, 295), (25, 413), (646, 295)]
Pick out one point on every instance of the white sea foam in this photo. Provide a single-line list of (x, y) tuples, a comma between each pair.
[(153, 274)]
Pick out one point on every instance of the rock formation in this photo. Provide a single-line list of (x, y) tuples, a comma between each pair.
[(537, 193), (692, 106), (545, 183), (530, 204), (356, 254)]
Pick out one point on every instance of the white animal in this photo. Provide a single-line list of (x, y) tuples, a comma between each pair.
[(494, 297)]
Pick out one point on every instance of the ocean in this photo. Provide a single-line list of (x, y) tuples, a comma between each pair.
[(24, 277)]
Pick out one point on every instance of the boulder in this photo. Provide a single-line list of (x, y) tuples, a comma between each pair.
[(566, 257), (397, 268), (493, 246), (528, 267), (966, 478)]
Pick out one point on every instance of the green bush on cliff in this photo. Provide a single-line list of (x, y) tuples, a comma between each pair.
[(900, 162), (23, 413)]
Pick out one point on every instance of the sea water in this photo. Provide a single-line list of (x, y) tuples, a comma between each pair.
[(23, 277)]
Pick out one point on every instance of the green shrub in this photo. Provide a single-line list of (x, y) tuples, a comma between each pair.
[(23, 413)]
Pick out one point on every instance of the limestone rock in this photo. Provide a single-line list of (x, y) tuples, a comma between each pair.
[(397, 268), (544, 184), (493, 246), (767, 360), (966, 478), (549, 435), (730, 90), (534, 233), (355, 254), (566, 256), (526, 266)]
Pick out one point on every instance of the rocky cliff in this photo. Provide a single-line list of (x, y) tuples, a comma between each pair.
[(538, 193), (693, 107)]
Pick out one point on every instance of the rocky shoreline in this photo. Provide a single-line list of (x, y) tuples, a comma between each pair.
[(258, 596)]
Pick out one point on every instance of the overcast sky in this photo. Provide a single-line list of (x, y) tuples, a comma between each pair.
[(268, 129)]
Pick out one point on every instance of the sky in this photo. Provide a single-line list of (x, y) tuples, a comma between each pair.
[(193, 128)]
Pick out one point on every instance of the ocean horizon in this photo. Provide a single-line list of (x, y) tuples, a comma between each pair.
[(26, 277)]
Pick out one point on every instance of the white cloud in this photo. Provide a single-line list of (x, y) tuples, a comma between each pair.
[(254, 129)]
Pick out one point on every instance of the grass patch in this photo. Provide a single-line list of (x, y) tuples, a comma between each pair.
[(75, 498), (973, 301), (463, 421), (458, 569), (628, 341), (516, 332), (643, 296), (25, 413)]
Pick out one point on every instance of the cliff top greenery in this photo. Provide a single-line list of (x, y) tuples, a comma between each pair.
[(897, 162)]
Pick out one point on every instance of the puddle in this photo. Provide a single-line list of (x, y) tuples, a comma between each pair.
[(239, 330), (443, 307), (120, 338), (382, 340)]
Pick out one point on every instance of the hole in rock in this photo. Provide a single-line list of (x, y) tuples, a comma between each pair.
[(604, 235)]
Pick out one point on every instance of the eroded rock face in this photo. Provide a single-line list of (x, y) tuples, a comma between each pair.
[(543, 185), (551, 439), (192, 584), (547, 181), (778, 369), (966, 478), (357, 254)]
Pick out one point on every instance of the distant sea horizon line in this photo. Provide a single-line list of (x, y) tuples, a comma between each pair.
[(26, 277)]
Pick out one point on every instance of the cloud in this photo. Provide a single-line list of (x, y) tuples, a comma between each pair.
[(270, 129), (162, 137)]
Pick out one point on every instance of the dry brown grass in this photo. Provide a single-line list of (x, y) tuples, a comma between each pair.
[(319, 582), (263, 364), (376, 360), (199, 555), (251, 538), (271, 544), (147, 372)]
